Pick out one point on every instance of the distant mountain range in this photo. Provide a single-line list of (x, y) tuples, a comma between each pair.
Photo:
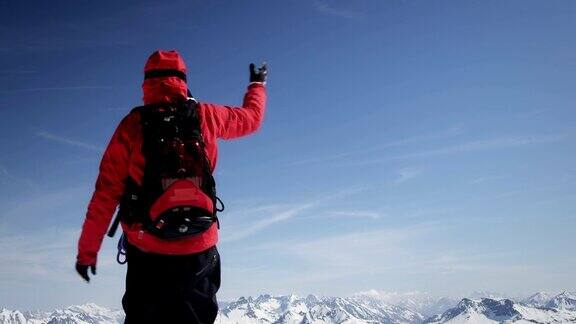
[(370, 307), (84, 314), (536, 309)]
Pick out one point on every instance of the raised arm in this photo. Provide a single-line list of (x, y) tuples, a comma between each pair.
[(231, 122)]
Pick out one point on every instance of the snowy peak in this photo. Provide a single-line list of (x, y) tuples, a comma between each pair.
[(565, 301), (11, 317), (488, 310), (491, 309), (497, 309), (82, 314), (88, 313), (539, 299), (313, 309)]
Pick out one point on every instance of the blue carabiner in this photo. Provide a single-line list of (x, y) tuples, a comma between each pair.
[(121, 250)]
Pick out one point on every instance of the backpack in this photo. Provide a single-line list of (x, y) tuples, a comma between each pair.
[(177, 196)]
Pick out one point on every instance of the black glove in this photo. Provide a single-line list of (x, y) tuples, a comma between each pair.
[(258, 75), (83, 270)]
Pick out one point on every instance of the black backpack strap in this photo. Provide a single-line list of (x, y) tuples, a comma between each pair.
[(132, 208), (193, 112)]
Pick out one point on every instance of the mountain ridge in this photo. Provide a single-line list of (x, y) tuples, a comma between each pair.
[(359, 308)]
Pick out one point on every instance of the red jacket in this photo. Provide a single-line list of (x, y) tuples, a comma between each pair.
[(123, 158)]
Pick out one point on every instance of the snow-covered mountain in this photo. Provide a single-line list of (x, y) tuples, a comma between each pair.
[(423, 303), (565, 301), (11, 317), (539, 299), (369, 307), (312, 309), (488, 310), (83, 314)]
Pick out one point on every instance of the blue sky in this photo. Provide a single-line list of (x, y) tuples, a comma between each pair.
[(408, 145)]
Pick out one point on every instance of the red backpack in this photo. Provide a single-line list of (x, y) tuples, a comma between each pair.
[(177, 196)]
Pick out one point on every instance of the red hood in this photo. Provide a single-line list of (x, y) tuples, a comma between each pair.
[(164, 89)]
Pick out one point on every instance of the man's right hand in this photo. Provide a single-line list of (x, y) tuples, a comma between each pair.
[(83, 270), (258, 75)]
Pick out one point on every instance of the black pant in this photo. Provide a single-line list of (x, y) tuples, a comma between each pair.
[(171, 288)]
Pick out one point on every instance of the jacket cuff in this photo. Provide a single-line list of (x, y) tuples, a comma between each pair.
[(86, 259)]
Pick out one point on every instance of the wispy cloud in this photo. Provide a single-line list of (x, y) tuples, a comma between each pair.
[(19, 213), (55, 89), (337, 256), (12, 73), (69, 141), (4, 174), (354, 214), (472, 146), (264, 223), (7, 177), (45, 255), (273, 214), (324, 8), (441, 134), (533, 113), (79, 32), (355, 248), (406, 174), (18, 72), (452, 131), (388, 254), (488, 178), (323, 159)]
